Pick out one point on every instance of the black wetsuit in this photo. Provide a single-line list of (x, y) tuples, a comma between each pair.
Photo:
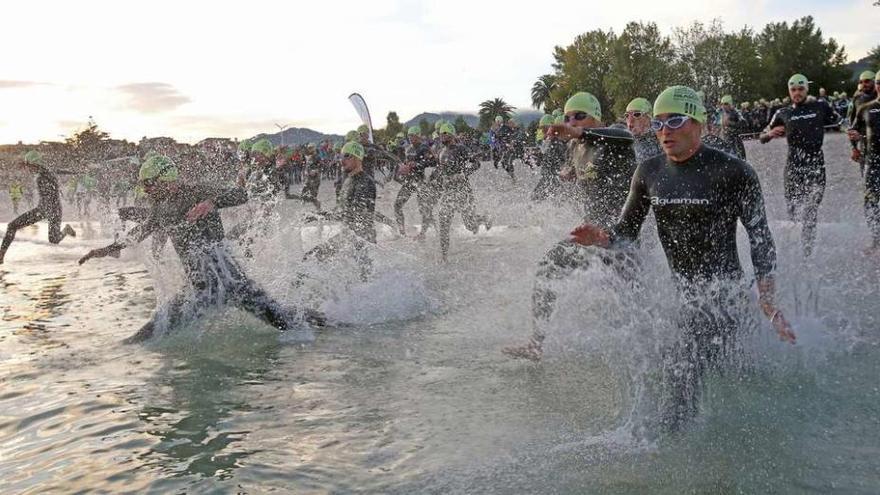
[(312, 182), (805, 169), (419, 157), (214, 276), (456, 194), (646, 146), (356, 211), (48, 208), (605, 183), (552, 159), (859, 99), (736, 125), (867, 122), (697, 205), (605, 180)]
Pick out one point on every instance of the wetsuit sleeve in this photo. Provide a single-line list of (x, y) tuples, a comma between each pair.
[(831, 116), (234, 196), (140, 232), (634, 211), (754, 218), (859, 124)]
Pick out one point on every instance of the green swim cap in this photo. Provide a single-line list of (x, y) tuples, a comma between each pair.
[(245, 145), (354, 148), (363, 129), (727, 99), (352, 136), (702, 95), (545, 121), (263, 147), (639, 105), (560, 119), (557, 112), (158, 167), (877, 76), (798, 80), (867, 75), (414, 131), (447, 128), (681, 100), (33, 157), (584, 102), (499, 119)]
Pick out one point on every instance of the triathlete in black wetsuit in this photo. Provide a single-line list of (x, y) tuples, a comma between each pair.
[(48, 208), (357, 205), (552, 157), (189, 215), (698, 194), (803, 123), (638, 122), (867, 93), (454, 188), (866, 127), (411, 175)]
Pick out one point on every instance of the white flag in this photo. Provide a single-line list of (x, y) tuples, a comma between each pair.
[(361, 107)]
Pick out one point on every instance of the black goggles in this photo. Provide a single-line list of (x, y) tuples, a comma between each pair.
[(576, 116), (673, 123)]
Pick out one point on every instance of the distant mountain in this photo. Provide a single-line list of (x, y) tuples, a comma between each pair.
[(525, 115), (296, 135)]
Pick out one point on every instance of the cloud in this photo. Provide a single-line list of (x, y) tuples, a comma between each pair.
[(152, 97), (20, 84)]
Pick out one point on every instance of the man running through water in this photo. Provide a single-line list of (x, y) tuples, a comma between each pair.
[(606, 161), (357, 206), (803, 124), (697, 194), (638, 122), (48, 208), (867, 93), (189, 215), (456, 194), (866, 127), (411, 175), (552, 156)]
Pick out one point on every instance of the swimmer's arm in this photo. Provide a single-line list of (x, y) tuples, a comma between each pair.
[(767, 299), (634, 211), (224, 198), (134, 236), (753, 216), (770, 132)]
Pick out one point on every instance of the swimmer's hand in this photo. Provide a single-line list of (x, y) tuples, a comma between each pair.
[(590, 235), (200, 210), (111, 250), (783, 328), (777, 132), (766, 298)]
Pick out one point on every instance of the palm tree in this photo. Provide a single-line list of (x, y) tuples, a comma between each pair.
[(490, 109), (541, 90)]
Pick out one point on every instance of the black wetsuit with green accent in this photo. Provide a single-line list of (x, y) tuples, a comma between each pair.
[(48, 208), (420, 158), (214, 276), (357, 212), (805, 169), (867, 123), (697, 205)]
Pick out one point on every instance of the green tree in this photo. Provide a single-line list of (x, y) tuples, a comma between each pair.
[(461, 127), (874, 58), (89, 144), (642, 63), (425, 127), (490, 109), (800, 47), (393, 125), (582, 66), (542, 89)]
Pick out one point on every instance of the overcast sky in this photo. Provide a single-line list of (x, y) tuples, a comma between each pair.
[(192, 70)]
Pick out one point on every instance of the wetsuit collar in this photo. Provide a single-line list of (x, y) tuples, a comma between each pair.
[(697, 153)]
